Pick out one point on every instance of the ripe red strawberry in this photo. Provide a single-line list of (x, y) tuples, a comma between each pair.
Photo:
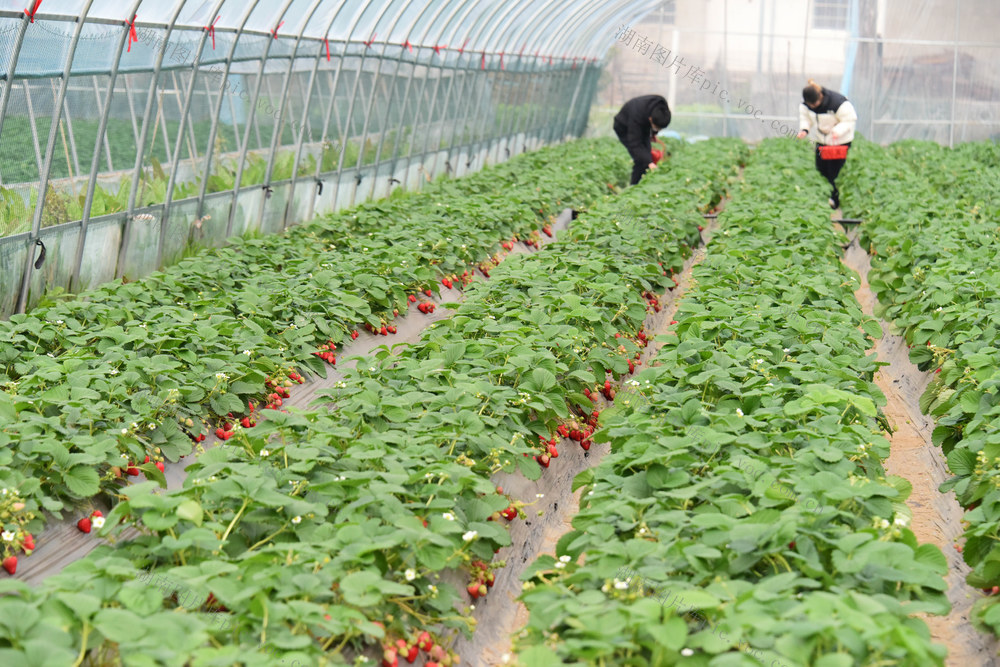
[(10, 564), (201, 437), (389, 658), (700, 228), (391, 329), (631, 367), (383, 331), (938, 370), (131, 470), (428, 292), (547, 230), (29, 542), (411, 655), (510, 513), (563, 430), (425, 642), (553, 452), (473, 590), (672, 322), (585, 444), (432, 664), (607, 385), (412, 298), (354, 335), (586, 392), (395, 312), (791, 545), (160, 466), (245, 422), (83, 525), (447, 283), (543, 460)]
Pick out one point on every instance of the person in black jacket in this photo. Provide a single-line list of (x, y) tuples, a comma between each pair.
[(636, 125)]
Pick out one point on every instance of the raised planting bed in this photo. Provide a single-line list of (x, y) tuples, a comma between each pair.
[(743, 516), (931, 225), (93, 386), (321, 534)]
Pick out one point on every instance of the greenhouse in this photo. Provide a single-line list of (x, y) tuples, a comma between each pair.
[(641, 332)]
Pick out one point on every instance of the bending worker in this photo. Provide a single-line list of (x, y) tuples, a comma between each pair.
[(828, 118), (637, 125)]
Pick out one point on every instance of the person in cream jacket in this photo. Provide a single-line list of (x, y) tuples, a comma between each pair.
[(827, 118)]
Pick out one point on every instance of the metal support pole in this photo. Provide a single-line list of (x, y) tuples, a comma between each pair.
[(102, 137), (50, 147), (184, 124), (954, 75), (140, 146), (34, 129), (223, 93), (253, 108), (279, 121), (100, 107)]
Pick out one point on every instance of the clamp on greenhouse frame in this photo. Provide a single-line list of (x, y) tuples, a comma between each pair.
[(319, 186), (34, 10), (211, 30), (132, 37)]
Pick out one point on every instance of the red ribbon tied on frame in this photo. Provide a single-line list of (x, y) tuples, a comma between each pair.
[(371, 41), (34, 10), (131, 33), (274, 33), (327, 49), (211, 30), (437, 49)]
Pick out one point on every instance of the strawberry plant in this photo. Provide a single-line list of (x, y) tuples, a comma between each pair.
[(767, 363)]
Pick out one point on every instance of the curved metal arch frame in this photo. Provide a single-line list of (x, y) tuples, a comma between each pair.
[(305, 117), (95, 162), (43, 183), (329, 112), (465, 99), (213, 131), (414, 64), (185, 117), (280, 120), (350, 106), (371, 98), (406, 93), (237, 185), (468, 7), (140, 147)]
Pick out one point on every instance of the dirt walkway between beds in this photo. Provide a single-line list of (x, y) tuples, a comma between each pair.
[(936, 516), (500, 616)]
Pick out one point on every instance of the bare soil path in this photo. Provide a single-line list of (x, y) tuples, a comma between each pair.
[(936, 516)]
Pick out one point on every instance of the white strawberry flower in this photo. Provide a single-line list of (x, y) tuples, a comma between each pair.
[(686, 652), (248, 353), (470, 535), (433, 589), (739, 412), (900, 520), (621, 585), (537, 495), (8, 536), (113, 371), (264, 453), (124, 432), (152, 426), (448, 516), (97, 522), (564, 559), (221, 376), (410, 574), (560, 566), (297, 520)]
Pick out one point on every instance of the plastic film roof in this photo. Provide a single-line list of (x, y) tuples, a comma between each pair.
[(518, 31)]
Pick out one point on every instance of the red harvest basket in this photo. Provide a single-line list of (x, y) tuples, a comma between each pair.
[(832, 152)]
